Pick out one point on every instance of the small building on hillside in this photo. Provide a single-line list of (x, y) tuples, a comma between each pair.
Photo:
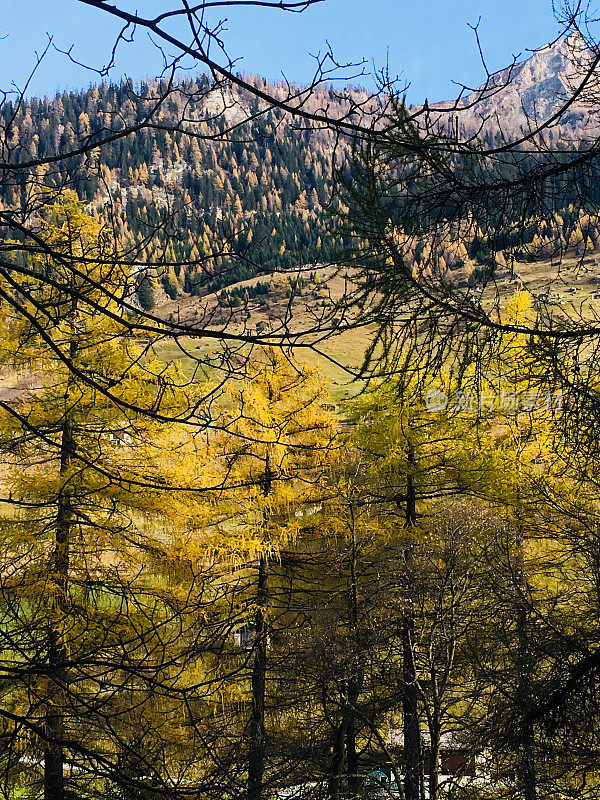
[(458, 762)]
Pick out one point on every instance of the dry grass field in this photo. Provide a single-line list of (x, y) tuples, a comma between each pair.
[(571, 287), (339, 356)]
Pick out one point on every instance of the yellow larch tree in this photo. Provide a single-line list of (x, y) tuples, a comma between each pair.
[(94, 491)]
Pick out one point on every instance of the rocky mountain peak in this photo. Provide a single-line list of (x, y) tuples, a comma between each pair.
[(517, 99)]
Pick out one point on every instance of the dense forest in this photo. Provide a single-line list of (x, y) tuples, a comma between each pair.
[(264, 193), (220, 209), (398, 596), (222, 574)]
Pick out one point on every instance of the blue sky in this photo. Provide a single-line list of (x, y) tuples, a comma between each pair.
[(428, 41)]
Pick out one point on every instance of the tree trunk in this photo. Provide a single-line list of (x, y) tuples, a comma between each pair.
[(337, 764), (256, 758), (526, 767), (413, 766), (410, 716), (411, 492), (434, 767), (355, 678), (54, 780), (351, 751), (258, 739)]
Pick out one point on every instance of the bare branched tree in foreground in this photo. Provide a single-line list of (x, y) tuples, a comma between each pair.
[(142, 651)]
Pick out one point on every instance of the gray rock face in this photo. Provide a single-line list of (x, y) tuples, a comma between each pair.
[(517, 100)]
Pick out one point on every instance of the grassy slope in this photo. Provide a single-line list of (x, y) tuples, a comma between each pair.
[(571, 287), (346, 349)]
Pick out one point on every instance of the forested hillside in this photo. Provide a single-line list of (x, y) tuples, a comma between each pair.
[(230, 202), (261, 190), (227, 572)]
